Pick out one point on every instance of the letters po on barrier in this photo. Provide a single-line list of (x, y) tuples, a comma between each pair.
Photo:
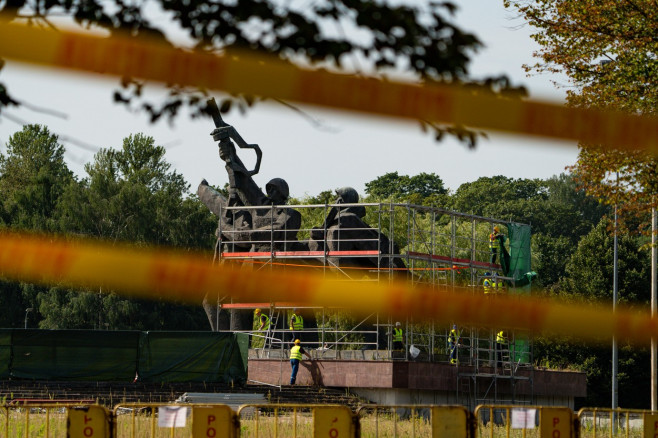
[(213, 421), (88, 422)]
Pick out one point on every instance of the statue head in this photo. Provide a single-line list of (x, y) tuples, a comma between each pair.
[(277, 190), (347, 195)]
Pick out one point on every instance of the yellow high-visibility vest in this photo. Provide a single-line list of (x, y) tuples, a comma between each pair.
[(295, 352), (267, 321), (487, 283), (494, 241), (298, 324)]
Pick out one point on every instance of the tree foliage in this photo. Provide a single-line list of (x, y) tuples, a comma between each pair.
[(590, 268), (33, 177), (424, 188), (355, 36), (133, 195), (130, 195), (607, 49)]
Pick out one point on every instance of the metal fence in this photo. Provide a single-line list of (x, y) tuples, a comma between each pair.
[(171, 420)]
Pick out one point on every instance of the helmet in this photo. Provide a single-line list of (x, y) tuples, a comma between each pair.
[(347, 195), (297, 342), (454, 326), (257, 311), (281, 185), (496, 228), (397, 324), (487, 274)]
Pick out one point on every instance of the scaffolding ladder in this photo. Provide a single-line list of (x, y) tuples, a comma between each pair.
[(271, 330)]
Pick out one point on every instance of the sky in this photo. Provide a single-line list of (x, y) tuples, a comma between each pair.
[(346, 149)]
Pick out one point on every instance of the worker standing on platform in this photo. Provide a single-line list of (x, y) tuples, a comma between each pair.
[(261, 323), (496, 241), (296, 325), (498, 285), (295, 357), (501, 345), (453, 343), (262, 320), (398, 345), (487, 283)]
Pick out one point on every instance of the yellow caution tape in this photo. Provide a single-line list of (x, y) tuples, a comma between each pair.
[(189, 277), (275, 79)]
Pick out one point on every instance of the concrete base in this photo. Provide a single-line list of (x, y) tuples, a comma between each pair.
[(402, 382)]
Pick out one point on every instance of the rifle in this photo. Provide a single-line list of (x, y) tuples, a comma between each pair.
[(224, 132)]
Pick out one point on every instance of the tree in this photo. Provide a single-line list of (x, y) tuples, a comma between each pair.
[(483, 196), (564, 189), (424, 188), (130, 195), (33, 175), (133, 195), (589, 278), (357, 36), (607, 50), (590, 268)]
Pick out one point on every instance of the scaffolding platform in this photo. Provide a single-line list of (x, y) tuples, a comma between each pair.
[(424, 245)]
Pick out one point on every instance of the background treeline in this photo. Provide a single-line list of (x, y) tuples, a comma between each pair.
[(131, 194)]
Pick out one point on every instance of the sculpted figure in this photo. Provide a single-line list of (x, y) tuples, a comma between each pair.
[(262, 229), (347, 231), (248, 228), (273, 227)]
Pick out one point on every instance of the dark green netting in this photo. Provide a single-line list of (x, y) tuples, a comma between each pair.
[(5, 353), (519, 243), (74, 354), (193, 357), (521, 271), (118, 355)]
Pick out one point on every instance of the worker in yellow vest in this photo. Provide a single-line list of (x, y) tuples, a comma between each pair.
[(296, 325), (501, 344), (295, 357), (262, 320), (496, 240), (453, 343), (487, 283), (498, 286), (398, 345)]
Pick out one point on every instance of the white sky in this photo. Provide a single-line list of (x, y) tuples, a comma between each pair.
[(353, 150)]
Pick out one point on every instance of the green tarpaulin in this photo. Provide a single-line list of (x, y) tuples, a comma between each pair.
[(520, 270), (74, 354), (192, 357), (5, 353), (118, 355)]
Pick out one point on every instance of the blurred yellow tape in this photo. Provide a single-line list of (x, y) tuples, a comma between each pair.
[(273, 78), (188, 277)]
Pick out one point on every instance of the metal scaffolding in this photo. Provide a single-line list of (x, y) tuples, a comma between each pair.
[(436, 246)]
